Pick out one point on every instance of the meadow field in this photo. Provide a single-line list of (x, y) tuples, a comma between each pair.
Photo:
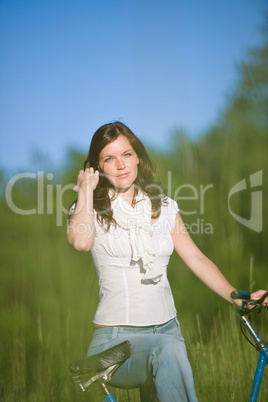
[(49, 294), (49, 291)]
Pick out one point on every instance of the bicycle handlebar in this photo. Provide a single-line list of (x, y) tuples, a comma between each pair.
[(247, 301), (240, 294)]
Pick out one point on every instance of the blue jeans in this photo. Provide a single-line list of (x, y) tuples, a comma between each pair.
[(158, 364)]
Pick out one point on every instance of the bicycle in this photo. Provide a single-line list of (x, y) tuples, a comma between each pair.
[(100, 368), (247, 307)]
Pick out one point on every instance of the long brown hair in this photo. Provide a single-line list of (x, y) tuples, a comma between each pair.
[(145, 180)]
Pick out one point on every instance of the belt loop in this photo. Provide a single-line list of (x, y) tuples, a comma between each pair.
[(115, 333)]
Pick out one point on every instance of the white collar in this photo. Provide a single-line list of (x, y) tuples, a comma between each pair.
[(137, 221)]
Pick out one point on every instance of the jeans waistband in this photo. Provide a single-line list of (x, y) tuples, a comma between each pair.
[(115, 331)]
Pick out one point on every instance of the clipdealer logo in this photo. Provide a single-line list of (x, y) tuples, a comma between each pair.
[(49, 200), (254, 222)]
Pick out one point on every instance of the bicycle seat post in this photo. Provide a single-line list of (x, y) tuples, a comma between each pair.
[(109, 397)]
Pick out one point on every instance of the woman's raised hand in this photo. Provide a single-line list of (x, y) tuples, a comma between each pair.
[(87, 179)]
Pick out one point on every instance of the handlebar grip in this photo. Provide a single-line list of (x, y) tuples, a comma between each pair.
[(260, 300), (240, 294)]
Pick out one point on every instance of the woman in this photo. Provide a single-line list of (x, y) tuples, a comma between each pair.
[(132, 228)]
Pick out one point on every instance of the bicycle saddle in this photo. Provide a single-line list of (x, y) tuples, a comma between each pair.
[(99, 367)]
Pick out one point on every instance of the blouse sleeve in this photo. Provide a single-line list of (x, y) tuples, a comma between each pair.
[(72, 209)]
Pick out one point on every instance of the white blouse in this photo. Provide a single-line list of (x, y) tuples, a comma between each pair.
[(125, 297)]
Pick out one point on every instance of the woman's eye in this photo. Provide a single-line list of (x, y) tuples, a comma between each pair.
[(128, 154), (108, 159)]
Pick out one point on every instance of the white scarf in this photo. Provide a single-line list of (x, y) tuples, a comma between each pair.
[(137, 221)]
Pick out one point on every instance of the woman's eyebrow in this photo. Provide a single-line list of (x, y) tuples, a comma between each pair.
[(128, 150)]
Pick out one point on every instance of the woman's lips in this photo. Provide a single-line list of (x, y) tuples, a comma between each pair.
[(123, 175)]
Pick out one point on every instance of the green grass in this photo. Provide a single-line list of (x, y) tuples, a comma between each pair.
[(49, 293), (224, 362)]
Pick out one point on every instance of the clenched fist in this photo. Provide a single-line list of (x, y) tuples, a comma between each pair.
[(87, 179)]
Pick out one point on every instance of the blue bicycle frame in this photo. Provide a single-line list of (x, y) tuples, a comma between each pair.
[(109, 398), (262, 361), (246, 307)]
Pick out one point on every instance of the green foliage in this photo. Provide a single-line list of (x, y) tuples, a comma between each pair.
[(49, 292)]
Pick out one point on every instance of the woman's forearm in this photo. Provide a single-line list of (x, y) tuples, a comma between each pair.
[(212, 277), (81, 228), (198, 263)]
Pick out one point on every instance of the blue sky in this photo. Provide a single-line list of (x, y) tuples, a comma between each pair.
[(69, 66)]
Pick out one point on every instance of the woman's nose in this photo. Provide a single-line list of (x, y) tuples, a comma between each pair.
[(120, 164)]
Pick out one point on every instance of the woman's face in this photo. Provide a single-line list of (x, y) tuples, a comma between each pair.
[(119, 162)]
